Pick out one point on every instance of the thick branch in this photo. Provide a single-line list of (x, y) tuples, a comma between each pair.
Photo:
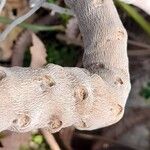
[(55, 97)]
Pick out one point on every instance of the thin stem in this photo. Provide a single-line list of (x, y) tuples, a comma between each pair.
[(57, 9), (34, 27), (50, 140), (20, 19), (38, 4), (2, 4)]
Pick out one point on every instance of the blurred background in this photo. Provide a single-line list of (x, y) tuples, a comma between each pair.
[(49, 37)]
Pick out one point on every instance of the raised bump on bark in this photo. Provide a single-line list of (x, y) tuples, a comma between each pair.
[(120, 34), (22, 120), (55, 123), (120, 109), (46, 80), (100, 3), (81, 93), (2, 74), (119, 81)]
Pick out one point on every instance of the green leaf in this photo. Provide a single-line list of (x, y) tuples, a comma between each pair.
[(138, 18), (38, 139), (145, 92), (51, 1), (64, 55)]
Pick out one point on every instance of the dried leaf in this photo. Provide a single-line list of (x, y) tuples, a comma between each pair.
[(38, 52), (72, 30), (13, 141), (72, 33), (12, 10)]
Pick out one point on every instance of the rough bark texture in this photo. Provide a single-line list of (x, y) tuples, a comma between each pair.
[(54, 97)]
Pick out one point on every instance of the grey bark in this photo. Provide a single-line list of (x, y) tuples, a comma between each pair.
[(54, 97)]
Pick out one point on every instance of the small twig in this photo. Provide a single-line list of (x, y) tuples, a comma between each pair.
[(141, 52), (20, 19), (139, 44), (58, 9), (100, 139), (2, 4), (38, 4), (50, 140)]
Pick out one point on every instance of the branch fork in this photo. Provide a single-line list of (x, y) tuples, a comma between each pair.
[(55, 97)]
